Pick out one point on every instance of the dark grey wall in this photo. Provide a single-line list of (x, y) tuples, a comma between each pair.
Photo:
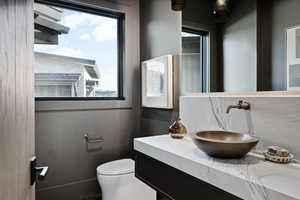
[(239, 48), (60, 126), (197, 15), (285, 13), (72, 164), (198, 12), (160, 29), (160, 32)]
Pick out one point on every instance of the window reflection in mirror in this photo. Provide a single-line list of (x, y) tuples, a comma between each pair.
[(298, 43), (248, 44), (194, 66)]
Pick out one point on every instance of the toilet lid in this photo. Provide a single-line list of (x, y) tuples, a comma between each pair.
[(117, 167)]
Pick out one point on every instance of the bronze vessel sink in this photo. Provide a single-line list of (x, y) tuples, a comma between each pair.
[(224, 144)]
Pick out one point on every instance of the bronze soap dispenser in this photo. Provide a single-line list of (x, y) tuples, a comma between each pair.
[(177, 130)]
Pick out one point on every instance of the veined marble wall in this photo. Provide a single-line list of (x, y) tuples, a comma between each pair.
[(276, 120)]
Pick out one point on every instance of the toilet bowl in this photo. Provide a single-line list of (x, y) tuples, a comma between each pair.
[(117, 182)]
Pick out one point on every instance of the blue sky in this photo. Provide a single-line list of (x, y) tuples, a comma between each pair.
[(91, 37)]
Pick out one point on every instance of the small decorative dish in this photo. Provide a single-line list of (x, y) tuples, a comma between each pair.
[(278, 159)]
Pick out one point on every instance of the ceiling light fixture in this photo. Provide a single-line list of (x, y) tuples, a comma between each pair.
[(222, 3), (222, 10), (178, 5)]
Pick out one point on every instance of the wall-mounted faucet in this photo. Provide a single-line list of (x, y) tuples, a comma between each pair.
[(241, 105)]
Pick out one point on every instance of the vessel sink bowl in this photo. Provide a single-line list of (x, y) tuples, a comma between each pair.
[(224, 144)]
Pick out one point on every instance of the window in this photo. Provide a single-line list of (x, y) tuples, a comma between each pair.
[(194, 61), (78, 52)]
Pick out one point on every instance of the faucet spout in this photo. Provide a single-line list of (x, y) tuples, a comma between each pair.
[(231, 107), (241, 105)]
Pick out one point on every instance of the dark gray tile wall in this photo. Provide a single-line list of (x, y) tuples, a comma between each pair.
[(240, 30), (72, 164), (157, 122), (160, 30), (85, 190)]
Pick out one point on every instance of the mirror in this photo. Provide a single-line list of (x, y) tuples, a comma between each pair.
[(298, 42), (240, 46)]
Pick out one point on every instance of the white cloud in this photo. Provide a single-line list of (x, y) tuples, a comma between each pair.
[(85, 36), (102, 33), (74, 20), (103, 21), (104, 28)]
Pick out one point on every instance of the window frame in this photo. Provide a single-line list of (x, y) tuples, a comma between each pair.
[(204, 49), (120, 45)]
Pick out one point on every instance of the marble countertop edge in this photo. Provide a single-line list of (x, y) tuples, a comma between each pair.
[(248, 171)]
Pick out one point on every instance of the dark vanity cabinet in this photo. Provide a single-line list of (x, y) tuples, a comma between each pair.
[(173, 183)]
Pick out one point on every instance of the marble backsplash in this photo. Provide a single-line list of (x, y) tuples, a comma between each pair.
[(276, 120)]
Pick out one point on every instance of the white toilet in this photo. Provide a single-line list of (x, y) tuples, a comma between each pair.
[(118, 182)]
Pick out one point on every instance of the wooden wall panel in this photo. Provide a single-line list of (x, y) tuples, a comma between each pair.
[(16, 99)]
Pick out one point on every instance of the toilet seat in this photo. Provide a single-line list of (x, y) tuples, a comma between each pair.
[(118, 182), (118, 167)]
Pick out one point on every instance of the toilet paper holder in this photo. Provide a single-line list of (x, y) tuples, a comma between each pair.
[(92, 140)]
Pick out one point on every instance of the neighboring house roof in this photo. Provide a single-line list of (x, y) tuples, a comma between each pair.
[(50, 12), (46, 24), (47, 31), (93, 71), (89, 65), (82, 61), (72, 77), (41, 23)]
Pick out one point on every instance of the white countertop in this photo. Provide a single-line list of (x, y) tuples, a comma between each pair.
[(250, 178)]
